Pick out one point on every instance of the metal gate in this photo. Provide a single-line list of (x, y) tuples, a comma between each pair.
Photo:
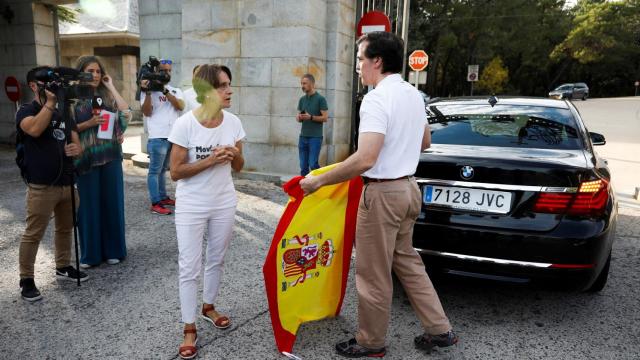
[(397, 11)]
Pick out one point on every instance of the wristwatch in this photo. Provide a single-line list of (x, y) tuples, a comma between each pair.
[(311, 117)]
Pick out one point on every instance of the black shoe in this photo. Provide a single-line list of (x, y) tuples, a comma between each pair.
[(428, 342), (28, 290), (351, 349), (70, 273)]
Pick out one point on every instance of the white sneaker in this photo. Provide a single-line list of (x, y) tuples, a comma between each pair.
[(85, 266), (113, 261)]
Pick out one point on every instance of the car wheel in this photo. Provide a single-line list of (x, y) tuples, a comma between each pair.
[(584, 97), (601, 281)]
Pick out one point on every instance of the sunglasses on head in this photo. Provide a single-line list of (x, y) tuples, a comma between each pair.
[(165, 62)]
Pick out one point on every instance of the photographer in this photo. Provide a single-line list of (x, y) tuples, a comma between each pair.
[(161, 109), (48, 171)]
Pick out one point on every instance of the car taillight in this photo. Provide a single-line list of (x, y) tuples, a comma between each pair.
[(590, 199)]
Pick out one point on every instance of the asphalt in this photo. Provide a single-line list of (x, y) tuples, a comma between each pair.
[(131, 310)]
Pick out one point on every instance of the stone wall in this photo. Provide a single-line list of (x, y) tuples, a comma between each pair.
[(269, 45), (161, 33), (27, 41), (121, 68)]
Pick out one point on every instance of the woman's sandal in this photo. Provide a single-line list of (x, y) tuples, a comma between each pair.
[(191, 349), (221, 322)]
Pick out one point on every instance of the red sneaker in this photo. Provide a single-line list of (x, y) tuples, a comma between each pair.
[(159, 209), (168, 202)]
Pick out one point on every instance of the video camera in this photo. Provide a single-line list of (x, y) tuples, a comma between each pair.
[(66, 81), (157, 78)]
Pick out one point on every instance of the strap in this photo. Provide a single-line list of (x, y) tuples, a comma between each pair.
[(206, 308), (191, 349), (190, 331)]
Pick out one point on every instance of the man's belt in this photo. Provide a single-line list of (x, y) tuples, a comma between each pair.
[(369, 180)]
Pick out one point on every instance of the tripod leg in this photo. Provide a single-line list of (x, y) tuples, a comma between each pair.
[(75, 226)]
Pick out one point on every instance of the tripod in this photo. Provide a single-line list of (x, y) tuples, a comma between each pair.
[(63, 106)]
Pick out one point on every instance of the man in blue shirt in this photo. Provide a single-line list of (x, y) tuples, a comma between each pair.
[(312, 113)]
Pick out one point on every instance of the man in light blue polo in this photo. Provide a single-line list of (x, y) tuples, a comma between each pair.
[(312, 113)]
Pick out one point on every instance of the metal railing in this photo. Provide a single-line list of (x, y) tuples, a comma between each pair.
[(397, 11)]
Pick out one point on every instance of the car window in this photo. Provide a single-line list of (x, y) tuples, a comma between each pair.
[(565, 87), (505, 126)]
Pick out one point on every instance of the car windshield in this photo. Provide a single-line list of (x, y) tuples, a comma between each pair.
[(504, 126), (565, 87)]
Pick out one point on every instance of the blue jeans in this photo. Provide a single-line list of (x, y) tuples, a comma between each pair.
[(158, 150), (309, 152)]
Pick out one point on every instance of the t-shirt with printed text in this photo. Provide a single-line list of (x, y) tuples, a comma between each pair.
[(163, 115), (211, 189)]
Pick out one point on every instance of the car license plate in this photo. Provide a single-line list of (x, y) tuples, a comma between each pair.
[(468, 199)]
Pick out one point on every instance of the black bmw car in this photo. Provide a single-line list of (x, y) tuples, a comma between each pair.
[(513, 190)]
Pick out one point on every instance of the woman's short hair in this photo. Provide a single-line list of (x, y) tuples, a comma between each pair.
[(206, 78), (387, 46)]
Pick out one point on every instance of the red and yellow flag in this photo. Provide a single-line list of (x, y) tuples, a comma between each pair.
[(306, 269)]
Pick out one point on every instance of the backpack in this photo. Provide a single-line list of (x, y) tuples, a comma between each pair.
[(20, 161)]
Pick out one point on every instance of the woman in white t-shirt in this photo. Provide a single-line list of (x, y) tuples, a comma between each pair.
[(206, 147)]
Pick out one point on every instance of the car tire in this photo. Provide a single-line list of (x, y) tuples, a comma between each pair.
[(584, 97), (601, 281)]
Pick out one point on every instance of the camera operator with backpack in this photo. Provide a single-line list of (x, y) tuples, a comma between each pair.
[(47, 166), (161, 106)]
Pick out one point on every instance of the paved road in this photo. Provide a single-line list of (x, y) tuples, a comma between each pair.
[(132, 309), (618, 119)]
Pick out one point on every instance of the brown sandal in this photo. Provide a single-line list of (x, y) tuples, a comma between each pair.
[(221, 322), (193, 351)]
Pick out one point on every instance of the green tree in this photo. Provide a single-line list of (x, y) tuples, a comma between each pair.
[(457, 33), (65, 13), (602, 46), (494, 76)]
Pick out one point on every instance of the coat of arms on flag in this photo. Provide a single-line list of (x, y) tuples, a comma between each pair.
[(307, 264)]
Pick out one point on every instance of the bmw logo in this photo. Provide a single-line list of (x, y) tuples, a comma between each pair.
[(466, 172)]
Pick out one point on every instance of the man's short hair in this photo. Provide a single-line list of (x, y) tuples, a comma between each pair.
[(31, 74), (387, 46), (309, 77)]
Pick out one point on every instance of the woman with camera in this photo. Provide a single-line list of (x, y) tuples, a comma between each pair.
[(207, 146), (101, 123)]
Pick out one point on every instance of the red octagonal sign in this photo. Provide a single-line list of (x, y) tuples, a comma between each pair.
[(418, 60), (12, 88)]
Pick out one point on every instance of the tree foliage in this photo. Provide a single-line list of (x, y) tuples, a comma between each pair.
[(65, 13), (494, 76), (542, 43)]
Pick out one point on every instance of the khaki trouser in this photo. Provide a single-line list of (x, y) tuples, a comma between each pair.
[(386, 215), (42, 200)]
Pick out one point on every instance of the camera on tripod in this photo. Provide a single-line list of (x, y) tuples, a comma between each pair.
[(65, 82), (157, 78)]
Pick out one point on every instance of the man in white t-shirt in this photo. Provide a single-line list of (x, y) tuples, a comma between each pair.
[(190, 101), (393, 132), (160, 109)]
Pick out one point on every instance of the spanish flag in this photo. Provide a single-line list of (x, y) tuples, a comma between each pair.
[(307, 265)]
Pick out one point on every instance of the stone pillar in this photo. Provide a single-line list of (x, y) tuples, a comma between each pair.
[(340, 62), (129, 86), (28, 41), (269, 45), (161, 33)]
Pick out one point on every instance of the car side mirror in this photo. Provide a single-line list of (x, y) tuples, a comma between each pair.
[(597, 139)]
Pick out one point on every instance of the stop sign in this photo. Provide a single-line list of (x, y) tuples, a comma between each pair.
[(373, 21), (12, 88), (418, 60)]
